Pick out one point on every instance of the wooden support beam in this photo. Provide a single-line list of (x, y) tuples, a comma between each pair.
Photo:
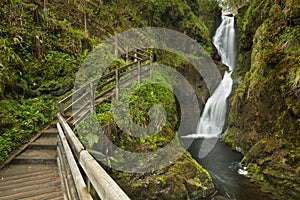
[(135, 55), (151, 65), (139, 71), (92, 99), (116, 46), (127, 55), (61, 108), (117, 84)]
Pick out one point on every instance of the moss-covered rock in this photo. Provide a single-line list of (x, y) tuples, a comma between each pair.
[(264, 117), (183, 179)]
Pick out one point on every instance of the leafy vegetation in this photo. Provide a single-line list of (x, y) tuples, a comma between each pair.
[(195, 181), (20, 119), (43, 44), (39, 58)]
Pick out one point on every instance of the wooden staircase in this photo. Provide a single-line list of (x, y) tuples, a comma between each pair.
[(35, 172)]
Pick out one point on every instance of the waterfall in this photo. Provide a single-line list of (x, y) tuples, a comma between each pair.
[(213, 117), (224, 40)]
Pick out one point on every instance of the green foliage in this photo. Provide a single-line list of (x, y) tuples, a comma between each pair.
[(20, 119), (103, 112), (42, 51), (39, 59)]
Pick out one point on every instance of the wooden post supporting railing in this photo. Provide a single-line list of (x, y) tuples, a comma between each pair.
[(117, 84), (127, 56), (151, 65), (92, 93), (116, 45), (61, 109), (135, 55), (139, 71)]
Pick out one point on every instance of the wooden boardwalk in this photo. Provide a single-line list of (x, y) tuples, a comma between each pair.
[(35, 173), (54, 164)]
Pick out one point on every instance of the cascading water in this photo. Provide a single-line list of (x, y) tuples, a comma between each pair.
[(213, 117), (219, 159), (224, 40)]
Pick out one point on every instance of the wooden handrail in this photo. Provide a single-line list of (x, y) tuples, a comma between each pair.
[(73, 140), (103, 184), (86, 87), (77, 177)]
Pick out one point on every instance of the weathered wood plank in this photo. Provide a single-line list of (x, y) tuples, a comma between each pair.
[(75, 143), (104, 185), (77, 177)]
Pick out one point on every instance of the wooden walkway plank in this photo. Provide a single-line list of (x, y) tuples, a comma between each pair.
[(33, 171)]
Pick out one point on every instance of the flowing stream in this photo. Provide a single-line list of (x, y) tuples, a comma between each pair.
[(220, 160)]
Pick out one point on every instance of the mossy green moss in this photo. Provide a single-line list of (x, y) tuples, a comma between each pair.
[(264, 116), (184, 178)]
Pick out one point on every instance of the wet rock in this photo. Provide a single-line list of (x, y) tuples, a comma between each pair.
[(264, 116)]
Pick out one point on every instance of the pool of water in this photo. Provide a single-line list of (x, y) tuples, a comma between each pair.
[(223, 163)]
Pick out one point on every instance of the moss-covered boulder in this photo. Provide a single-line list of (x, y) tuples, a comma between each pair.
[(183, 179), (180, 177)]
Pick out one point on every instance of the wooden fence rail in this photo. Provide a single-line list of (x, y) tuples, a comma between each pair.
[(82, 101), (72, 111), (104, 185)]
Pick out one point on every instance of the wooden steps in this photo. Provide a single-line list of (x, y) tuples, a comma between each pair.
[(34, 172)]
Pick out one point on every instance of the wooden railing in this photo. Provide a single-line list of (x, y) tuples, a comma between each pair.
[(72, 110), (80, 103)]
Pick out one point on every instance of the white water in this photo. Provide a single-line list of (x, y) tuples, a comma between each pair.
[(213, 117), (224, 41)]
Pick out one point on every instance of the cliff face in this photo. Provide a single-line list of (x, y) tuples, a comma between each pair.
[(264, 118)]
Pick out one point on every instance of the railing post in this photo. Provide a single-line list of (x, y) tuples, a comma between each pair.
[(61, 109), (116, 45), (117, 84), (45, 8), (92, 93), (85, 22), (127, 55), (139, 71), (88, 185), (135, 55), (151, 65)]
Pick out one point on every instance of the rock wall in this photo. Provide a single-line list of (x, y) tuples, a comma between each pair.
[(264, 118)]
